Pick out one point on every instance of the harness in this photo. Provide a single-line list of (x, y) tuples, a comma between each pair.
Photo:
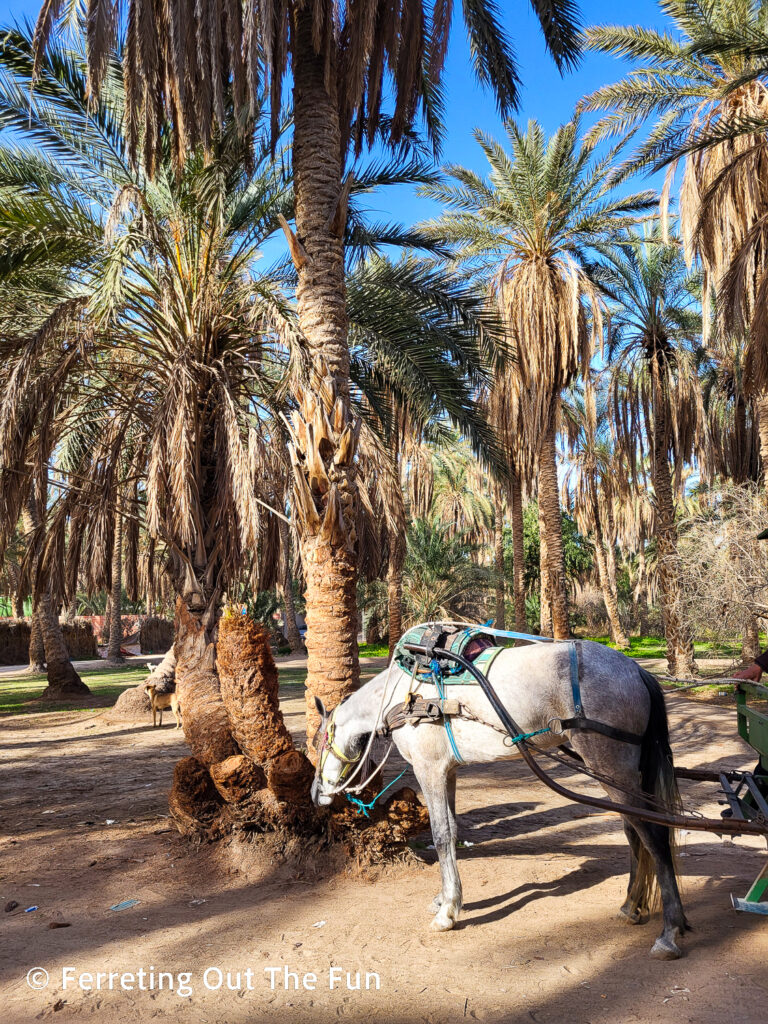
[(425, 657), (435, 653)]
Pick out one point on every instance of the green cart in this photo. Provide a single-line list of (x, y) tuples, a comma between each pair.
[(748, 795)]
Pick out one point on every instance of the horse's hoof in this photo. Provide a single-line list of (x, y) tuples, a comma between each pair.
[(445, 918), (437, 902), (441, 924), (665, 949), (637, 916)]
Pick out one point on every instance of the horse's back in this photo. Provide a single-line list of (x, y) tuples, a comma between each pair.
[(543, 678)]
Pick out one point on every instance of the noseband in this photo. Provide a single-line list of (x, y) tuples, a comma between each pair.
[(328, 746)]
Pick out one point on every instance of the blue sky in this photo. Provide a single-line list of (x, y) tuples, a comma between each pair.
[(546, 96)]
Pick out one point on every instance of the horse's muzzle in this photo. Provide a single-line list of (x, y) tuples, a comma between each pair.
[(320, 799)]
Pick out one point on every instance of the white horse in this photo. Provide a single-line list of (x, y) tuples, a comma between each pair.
[(534, 684)]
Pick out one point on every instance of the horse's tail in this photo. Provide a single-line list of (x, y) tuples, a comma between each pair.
[(657, 778)]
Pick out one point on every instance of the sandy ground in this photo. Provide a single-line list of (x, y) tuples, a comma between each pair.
[(538, 940)]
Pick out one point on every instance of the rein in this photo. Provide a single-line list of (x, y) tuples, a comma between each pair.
[(415, 709)]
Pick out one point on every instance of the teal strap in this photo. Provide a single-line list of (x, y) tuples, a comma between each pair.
[(446, 721), (363, 808), (529, 735), (573, 655)]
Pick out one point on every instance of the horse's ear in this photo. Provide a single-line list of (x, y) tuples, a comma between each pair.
[(321, 709)]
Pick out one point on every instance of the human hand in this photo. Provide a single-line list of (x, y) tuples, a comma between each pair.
[(753, 673)]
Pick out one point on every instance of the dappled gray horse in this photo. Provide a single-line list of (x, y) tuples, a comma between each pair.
[(534, 684)]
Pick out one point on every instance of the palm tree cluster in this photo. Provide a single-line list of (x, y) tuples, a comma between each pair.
[(222, 377)]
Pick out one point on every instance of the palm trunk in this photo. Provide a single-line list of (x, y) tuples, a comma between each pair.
[(324, 467), (641, 590), (18, 605), (63, 680), (498, 558), (292, 634), (551, 519), (518, 553), (114, 654), (106, 625), (395, 590), (242, 766), (761, 408), (545, 613), (679, 646), (36, 645), (607, 584)]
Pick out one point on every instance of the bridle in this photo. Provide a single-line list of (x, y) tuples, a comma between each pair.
[(328, 746)]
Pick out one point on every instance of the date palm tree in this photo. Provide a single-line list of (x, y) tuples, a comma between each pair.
[(732, 451), (590, 485), (160, 342), (442, 578), (705, 91), (344, 61), (528, 228), (654, 392)]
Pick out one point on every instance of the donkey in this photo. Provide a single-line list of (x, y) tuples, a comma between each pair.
[(534, 684)]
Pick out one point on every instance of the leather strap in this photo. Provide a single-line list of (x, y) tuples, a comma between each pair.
[(416, 709), (590, 725)]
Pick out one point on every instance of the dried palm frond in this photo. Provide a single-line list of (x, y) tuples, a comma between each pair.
[(170, 44)]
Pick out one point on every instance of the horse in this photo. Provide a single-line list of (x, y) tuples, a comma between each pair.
[(534, 683)]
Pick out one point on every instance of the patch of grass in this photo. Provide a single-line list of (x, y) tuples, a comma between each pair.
[(656, 647), (292, 677), (296, 678), (374, 650), (22, 695)]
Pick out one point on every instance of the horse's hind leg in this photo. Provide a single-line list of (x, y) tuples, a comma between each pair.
[(655, 839), (632, 911), (434, 784)]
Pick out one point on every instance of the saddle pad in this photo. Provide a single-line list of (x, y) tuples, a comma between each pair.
[(482, 663)]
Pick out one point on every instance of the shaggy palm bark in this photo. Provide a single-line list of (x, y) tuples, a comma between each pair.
[(114, 654), (498, 555), (761, 408), (36, 645), (292, 634), (244, 767), (551, 520), (324, 469), (63, 680), (395, 589), (679, 646), (607, 584), (518, 553), (610, 556)]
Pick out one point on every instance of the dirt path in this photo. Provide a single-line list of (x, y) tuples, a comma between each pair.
[(538, 940)]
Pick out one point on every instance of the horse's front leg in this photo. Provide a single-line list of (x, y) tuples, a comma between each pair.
[(437, 902), (435, 786)]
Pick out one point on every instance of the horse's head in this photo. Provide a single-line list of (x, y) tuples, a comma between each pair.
[(334, 764)]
